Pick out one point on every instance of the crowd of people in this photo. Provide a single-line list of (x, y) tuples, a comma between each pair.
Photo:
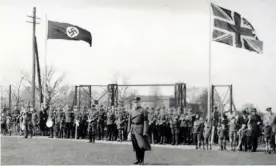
[(165, 126)]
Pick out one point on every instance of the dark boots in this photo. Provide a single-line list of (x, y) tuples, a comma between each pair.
[(140, 155)]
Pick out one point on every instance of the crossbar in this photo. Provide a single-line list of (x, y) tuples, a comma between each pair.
[(148, 85)]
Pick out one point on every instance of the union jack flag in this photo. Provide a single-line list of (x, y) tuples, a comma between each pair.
[(232, 29)]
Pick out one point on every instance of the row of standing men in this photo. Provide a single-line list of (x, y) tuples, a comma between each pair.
[(165, 126), (105, 123)]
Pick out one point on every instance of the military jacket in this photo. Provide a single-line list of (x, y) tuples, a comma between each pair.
[(35, 118), (101, 116), (110, 118), (162, 119), (174, 121), (69, 117), (183, 122), (152, 118)]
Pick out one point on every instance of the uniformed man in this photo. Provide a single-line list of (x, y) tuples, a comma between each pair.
[(183, 128), (62, 133), (255, 122), (51, 117), (190, 118), (15, 118), (175, 127), (125, 117), (170, 114), (120, 120), (92, 123), (138, 129), (207, 136), (76, 124), (215, 121), (269, 121), (152, 126), (26, 117), (84, 124), (3, 121), (110, 124), (162, 120), (8, 122), (43, 119), (243, 119), (69, 121), (35, 120), (101, 119), (58, 122), (233, 129)]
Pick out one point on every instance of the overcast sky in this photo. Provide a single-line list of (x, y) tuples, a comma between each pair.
[(150, 41)]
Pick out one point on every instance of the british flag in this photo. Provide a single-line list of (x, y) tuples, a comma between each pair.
[(232, 29)]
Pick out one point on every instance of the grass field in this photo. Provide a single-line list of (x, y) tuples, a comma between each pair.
[(16, 150)]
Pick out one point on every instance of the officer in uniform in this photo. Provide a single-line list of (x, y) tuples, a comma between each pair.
[(69, 120), (152, 126), (215, 121), (110, 124), (175, 127), (84, 124), (62, 123), (125, 117), (26, 117), (35, 120), (138, 129), (168, 126), (162, 120), (190, 118), (101, 119), (92, 124), (183, 128), (120, 120)]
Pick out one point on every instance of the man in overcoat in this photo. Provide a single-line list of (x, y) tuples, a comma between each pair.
[(138, 126)]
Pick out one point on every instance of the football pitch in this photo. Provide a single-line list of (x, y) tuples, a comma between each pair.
[(44, 151)]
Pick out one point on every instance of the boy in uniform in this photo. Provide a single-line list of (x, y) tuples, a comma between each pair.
[(207, 136), (195, 131), (242, 138), (249, 133), (233, 132), (267, 130), (92, 124), (222, 136)]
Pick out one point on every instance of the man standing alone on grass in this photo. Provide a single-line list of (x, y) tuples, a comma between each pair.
[(138, 129)]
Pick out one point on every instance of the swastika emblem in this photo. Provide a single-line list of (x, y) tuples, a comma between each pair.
[(72, 32)]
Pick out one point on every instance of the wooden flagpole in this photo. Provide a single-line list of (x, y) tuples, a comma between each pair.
[(210, 62), (45, 60)]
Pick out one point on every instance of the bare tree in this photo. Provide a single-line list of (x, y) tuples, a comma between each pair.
[(53, 84), (156, 93), (123, 93), (16, 92)]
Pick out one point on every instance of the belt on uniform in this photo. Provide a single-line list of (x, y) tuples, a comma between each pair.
[(136, 123)]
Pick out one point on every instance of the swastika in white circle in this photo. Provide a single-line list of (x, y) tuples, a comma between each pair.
[(72, 32)]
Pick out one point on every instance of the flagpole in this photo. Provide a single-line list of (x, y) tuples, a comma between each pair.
[(210, 62), (45, 59)]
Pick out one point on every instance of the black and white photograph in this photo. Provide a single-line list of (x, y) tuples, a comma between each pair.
[(138, 82)]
